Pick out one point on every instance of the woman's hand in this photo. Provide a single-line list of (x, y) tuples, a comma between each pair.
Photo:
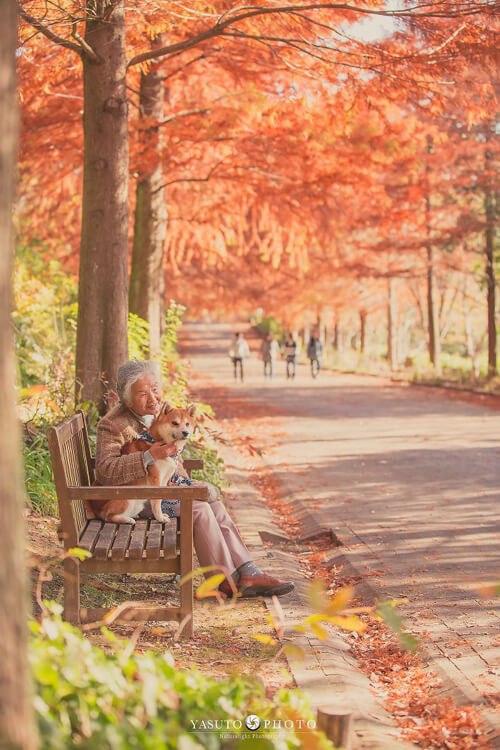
[(163, 450)]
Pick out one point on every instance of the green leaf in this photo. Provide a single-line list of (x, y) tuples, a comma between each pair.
[(263, 638), (319, 631), (389, 615), (340, 600), (79, 553), (294, 652), (316, 595), (354, 624), (207, 588), (197, 571)]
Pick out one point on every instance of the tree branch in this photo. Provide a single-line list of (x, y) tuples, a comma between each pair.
[(244, 13), (189, 179), (183, 113), (50, 34), (83, 44)]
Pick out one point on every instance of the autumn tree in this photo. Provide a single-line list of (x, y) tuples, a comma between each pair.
[(298, 35)]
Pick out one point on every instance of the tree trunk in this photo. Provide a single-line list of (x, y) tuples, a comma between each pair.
[(470, 345), (336, 335), (392, 326), (150, 226), (362, 331), (306, 336), (432, 311), (490, 211), (103, 283), (17, 726)]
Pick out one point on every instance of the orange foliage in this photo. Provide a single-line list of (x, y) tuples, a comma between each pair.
[(288, 164)]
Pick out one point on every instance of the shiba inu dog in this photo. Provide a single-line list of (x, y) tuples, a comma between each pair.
[(171, 425)]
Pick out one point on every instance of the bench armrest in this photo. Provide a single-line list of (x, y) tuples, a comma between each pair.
[(134, 493)]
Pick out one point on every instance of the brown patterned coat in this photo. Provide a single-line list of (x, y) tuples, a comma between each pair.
[(118, 427)]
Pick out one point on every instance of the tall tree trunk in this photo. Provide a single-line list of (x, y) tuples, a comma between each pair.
[(103, 283), (490, 211), (336, 335), (150, 226), (470, 345), (306, 336), (17, 726), (362, 332), (391, 325), (432, 310)]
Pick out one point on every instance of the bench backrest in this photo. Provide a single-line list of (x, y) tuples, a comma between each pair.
[(72, 465)]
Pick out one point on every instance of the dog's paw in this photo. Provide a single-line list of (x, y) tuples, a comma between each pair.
[(163, 518), (123, 519)]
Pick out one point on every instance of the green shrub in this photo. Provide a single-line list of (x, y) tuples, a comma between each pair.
[(44, 315), (138, 337), (121, 700), (270, 325), (213, 466), (38, 476)]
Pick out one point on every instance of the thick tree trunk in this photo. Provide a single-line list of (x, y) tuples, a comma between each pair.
[(490, 211), (392, 358), (103, 282), (17, 726), (150, 226)]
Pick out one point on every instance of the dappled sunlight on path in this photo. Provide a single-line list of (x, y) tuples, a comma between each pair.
[(407, 479)]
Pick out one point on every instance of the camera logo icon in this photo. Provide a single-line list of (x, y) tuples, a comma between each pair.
[(252, 722)]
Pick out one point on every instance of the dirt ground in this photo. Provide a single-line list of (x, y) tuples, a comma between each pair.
[(222, 642)]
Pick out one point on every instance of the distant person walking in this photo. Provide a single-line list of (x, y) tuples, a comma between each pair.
[(291, 354), (238, 351), (314, 352), (269, 351)]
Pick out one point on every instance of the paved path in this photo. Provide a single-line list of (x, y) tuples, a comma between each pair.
[(407, 479)]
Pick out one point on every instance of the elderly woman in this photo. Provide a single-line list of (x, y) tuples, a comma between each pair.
[(216, 538)]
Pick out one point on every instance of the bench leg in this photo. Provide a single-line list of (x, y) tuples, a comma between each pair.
[(72, 591), (186, 564)]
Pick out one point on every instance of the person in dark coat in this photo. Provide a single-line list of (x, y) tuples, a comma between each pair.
[(314, 352)]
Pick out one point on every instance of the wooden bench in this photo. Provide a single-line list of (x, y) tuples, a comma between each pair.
[(147, 547)]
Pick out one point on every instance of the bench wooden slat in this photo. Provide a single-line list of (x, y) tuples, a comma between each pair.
[(153, 542), (137, 539), (170, 539), (105, 540), (138, 613), (89, 536), (124, 492), (122, 538)]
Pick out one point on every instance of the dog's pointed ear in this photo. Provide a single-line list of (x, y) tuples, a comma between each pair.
[(192, 410), (164, 408)]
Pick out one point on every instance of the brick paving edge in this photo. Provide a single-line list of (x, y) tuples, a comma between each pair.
[(328, 674)]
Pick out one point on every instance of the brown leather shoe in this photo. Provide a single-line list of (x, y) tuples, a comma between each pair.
[(263, 585), (226, 589)]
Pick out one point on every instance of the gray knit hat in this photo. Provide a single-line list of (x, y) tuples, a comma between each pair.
[(132, 371)]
